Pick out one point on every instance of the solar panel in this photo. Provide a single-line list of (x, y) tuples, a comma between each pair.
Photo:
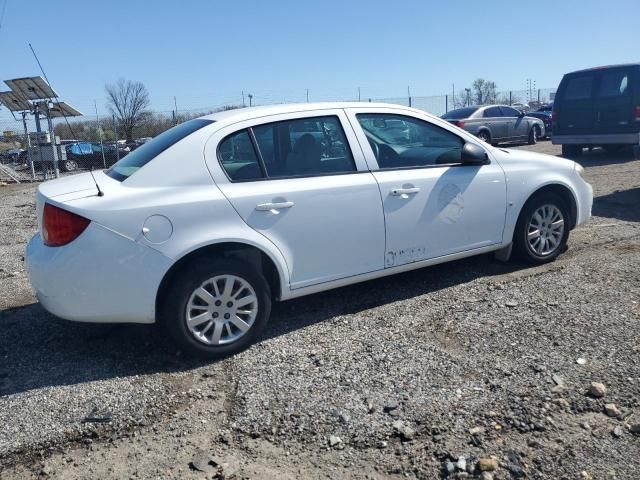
[(62, 109), (14, 102), (33, 88)]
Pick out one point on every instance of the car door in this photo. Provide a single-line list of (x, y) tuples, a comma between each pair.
[(433, 204), (301, 181), (517, 124), (494, 119), (613, 101)]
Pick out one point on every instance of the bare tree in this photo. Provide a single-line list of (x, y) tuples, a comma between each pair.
[(128, 101), (484, 91)]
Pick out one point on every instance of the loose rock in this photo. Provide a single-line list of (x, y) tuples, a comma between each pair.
[(487, 464), (611, 410), (597, 390)]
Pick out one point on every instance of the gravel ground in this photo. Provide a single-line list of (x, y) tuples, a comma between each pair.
[(431, 374)]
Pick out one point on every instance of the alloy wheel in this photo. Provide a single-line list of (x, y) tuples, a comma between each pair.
[(546, 229), (221, 310)]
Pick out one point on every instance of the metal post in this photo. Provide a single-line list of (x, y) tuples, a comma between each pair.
[(54, 149), (104, 160), (27, 142), (538, 96), (358, 93), (175, 104), (115, 135), (510, 97), (307, 95), (409, 95), (446, 103)]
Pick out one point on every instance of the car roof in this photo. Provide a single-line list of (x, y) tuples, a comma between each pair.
[(249, 113), (605, 67)]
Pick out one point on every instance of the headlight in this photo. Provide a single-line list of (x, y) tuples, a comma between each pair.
[(579, 168)]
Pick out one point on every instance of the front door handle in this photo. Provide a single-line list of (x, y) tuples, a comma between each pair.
[(273, 207), (404, 192)]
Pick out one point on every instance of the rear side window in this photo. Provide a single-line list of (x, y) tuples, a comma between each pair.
[(293, 148), (151, 149), (492, 112), (460, 113), (579, 88), (614, 84), (510, 112)]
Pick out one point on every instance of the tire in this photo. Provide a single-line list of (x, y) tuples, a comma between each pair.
[(571, 151), (534, 133), (69, 165), (485, 136), (181, 293), (526, 248)]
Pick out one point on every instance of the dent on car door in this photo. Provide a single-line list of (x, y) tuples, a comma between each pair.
[(303, 183), (433, 204)]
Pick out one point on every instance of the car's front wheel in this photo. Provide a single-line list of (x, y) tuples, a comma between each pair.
[(216, 308), (69, 165), (534, 133), (542, 229), (484, 136)]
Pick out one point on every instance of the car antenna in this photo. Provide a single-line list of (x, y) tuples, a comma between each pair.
[(100, 192)]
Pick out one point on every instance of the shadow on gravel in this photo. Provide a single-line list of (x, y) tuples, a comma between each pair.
[(623, 205), (302, 312), (38, 350), (599, 157)]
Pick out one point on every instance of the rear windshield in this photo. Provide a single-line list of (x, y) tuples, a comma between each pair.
[(151, 149), (460, 113)]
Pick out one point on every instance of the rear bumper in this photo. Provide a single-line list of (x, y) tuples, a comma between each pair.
[(99, 277), (597, 139)]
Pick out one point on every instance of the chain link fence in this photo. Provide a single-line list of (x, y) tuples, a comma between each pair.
[(97, 142)]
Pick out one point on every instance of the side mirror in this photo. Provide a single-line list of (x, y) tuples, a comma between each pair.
[(473, 154), (521, 113)]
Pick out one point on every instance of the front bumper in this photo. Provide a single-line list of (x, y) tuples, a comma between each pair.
[(99, 277), (597, 139)]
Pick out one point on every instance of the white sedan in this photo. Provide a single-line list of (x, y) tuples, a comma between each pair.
[(204, 226)]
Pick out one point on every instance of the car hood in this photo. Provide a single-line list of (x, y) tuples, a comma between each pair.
[(514, 156)]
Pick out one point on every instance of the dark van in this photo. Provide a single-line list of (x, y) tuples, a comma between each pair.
[(598, 107)]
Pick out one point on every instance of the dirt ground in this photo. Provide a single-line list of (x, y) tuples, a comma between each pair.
[(437, 373)]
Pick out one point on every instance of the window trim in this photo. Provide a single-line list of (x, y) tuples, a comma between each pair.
[(416, 167), (258, 153)]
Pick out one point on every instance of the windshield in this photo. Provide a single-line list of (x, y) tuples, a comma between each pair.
[(151, 149), (460, 113)]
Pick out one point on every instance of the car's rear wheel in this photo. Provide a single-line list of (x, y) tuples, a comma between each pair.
[(571, 151), (542, 229), (215, 308), (534, 133), (484, 136)]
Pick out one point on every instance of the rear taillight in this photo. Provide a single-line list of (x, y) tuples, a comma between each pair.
[(60, 227), (458, 123), (637, 113)]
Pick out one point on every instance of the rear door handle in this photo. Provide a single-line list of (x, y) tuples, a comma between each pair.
[(273, 207), (404, 192)]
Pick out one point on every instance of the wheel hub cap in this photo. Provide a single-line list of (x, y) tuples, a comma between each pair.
[(546, 230), (221, 310)]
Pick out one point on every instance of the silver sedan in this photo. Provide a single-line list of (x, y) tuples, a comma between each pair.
[(496, 124)]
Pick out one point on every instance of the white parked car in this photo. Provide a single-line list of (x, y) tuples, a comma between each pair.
[(204, 226)]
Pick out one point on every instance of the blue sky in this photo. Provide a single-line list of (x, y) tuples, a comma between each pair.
[(206, 52)]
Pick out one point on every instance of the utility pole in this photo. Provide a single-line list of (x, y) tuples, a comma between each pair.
[(243, 98), (358, 93), (175, 104), (409, 94), (453, 94), (104, 161), (115, 136), (250, 99), (307, 95)]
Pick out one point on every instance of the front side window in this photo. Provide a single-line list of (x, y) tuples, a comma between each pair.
[(292, 148), (399, 141), (614, 84), (510, 112), (151, 149), (492, 112), (579, 88)]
